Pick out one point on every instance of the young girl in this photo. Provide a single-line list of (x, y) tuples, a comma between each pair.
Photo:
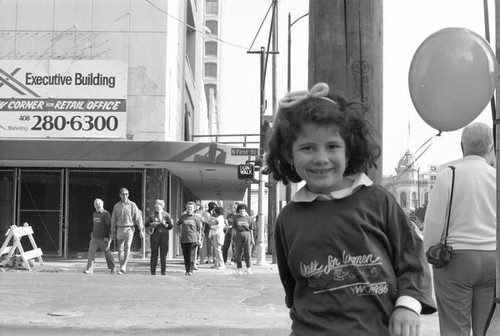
[(349, 260)]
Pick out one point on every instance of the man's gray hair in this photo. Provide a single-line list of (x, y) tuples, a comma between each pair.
[(477, 139)]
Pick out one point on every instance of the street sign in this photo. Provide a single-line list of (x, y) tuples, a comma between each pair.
[(245, 151), (245, 171)]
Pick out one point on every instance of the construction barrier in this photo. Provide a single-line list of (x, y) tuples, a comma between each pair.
[(14, 234)]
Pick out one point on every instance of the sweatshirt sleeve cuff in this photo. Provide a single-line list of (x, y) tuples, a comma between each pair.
[(410, 303)]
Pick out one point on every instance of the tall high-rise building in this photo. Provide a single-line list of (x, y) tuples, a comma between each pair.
[(99, 95), (211, 62)]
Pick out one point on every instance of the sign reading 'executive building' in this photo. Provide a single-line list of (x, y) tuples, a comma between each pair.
[(63, 99)]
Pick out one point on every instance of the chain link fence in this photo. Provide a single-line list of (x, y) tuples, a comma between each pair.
[(59, 203), (40, 205), (87, 185)]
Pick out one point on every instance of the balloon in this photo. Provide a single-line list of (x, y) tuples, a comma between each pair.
[(452, 78)]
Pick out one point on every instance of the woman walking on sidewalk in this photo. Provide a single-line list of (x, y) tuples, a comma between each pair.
[(191, 228), (216, 235), (158, 224), (243, 238)]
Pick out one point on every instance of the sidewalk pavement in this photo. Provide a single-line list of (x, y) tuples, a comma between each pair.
[(141, 265), (56, 298)]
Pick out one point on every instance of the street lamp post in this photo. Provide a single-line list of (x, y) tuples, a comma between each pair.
[(288, 190), (261, 250), (289, 72)]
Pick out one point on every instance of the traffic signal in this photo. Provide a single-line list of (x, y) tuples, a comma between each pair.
[(245, 171)]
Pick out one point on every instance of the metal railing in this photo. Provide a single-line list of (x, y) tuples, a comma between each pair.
[(245, 140)]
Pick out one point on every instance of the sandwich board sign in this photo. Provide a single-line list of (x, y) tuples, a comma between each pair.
[(15, 233)]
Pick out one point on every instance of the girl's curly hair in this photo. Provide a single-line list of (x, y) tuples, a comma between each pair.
[(355, 130)]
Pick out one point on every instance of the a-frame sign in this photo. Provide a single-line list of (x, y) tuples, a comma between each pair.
[(15, 233)]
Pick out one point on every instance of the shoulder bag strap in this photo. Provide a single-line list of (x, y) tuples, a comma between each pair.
[(451, 200)]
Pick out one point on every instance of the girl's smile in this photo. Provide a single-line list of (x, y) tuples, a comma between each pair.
[(319, 158)]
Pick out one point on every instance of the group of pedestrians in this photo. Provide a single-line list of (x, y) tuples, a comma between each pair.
[(216, 233), (207, 231), (122, 224)]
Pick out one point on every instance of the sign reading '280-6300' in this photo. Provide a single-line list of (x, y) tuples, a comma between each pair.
[(63, 99)]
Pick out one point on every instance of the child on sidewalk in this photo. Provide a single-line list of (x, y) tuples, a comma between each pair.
[(349, 260)]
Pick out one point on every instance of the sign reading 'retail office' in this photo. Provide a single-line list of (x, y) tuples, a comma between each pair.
[(63, 99)]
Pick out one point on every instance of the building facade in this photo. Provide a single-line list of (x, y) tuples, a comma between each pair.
[(99, 95), (411, 186)]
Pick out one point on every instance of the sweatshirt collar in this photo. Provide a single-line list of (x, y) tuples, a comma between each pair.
[(358, 181)]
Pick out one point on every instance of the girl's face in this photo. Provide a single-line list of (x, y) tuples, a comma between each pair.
[(319, 158)]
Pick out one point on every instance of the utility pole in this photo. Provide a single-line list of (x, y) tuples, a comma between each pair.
[(272, 189), (497, 134), (261, 246), (264, 127), (345, 51), (493, 325), (496, 318)]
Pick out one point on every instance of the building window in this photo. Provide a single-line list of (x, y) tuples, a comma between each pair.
[(212, 7), (213, 26), (402, 200), (211, 48), (414, 200), (211, 69)]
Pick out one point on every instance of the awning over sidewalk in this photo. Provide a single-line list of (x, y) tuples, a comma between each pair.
[(208, 169)]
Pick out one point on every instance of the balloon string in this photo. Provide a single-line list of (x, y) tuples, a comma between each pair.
[(431, 140)]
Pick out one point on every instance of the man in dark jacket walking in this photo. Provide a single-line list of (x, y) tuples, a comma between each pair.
[(99, 239)]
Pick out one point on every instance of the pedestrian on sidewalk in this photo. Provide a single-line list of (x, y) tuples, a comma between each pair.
[(243, 238), (158, 225), (207, 254), (195, 258), (228, 237), (191, 230), (465, 287), (348, 257), (216, 235), (100, 237), (126, 216)]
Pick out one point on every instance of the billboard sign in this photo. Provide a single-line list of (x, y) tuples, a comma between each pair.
[(63, 99)]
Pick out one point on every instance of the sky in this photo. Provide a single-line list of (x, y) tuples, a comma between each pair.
[(407, 23)]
